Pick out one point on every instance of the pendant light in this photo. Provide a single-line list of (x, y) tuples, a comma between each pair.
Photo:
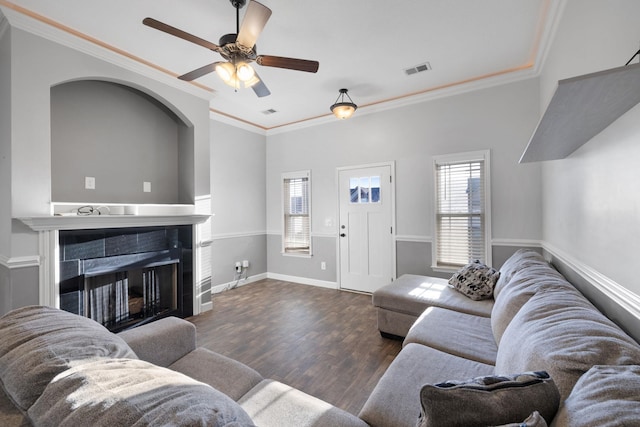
[(342, 109)]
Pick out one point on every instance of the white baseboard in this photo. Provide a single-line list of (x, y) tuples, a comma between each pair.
[(612, 289), (303, 280), (226, 286)]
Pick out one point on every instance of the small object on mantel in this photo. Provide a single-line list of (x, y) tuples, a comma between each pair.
[(581, 108)]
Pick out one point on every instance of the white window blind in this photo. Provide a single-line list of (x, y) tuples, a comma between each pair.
[(296, 209), (461, 211)]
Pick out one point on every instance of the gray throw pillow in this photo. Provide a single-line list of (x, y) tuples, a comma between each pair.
[(488, 401), (37, 343), (475, 280), (128, 392)]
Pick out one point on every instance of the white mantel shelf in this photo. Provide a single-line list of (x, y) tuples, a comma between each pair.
[(78, 222)]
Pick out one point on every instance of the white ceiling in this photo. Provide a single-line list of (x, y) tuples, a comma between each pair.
[(362, 45)]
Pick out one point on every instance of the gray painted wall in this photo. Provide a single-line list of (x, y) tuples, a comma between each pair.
[(499, 118), (227, 251), (119, 136), (238, 201), (28, 149), (5, 140), (591, 199)]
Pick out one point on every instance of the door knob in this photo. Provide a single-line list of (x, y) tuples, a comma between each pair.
[(342, 235)]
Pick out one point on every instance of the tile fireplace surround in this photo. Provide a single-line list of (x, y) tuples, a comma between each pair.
[(49, 230)]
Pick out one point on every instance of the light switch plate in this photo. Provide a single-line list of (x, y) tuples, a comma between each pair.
[(146, 187), (89, 182)]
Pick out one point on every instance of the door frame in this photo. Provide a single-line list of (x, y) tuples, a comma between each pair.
[(392, 188)]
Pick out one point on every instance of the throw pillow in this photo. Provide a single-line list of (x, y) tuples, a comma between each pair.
[(475, 280), (37, 343), (488, 401), (128, 392)]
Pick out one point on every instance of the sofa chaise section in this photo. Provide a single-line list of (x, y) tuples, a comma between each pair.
[(400, 303)]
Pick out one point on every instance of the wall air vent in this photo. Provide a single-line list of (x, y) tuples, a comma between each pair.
[(418, 69), (269, 111)]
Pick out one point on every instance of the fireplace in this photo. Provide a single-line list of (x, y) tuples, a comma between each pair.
[(122, 277)]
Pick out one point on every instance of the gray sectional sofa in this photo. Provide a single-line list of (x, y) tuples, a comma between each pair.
[(57, 368), (536, 321)]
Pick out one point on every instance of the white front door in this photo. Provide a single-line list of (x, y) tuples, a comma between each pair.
[(366, 228)]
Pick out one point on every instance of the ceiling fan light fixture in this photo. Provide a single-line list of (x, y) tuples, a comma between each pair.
[(245, 72), (343, 109), (226, 72), (252, 81)]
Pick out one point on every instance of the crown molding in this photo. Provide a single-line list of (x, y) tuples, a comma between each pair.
[(456, 88), (41, 26), (4, 24)]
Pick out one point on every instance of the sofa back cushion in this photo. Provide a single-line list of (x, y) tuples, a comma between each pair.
[(126, 392), (523, 285), (560, 332), (606, 396), (516, 262), (37, 343)]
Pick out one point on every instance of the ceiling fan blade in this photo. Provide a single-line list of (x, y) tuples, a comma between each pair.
[(199, 72), (288, 63), (260, 88), (253, 23), (150, 22)]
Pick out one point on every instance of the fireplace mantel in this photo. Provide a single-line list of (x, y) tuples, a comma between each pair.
[(78, 222)]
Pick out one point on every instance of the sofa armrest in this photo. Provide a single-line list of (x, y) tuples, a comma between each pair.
[(162, 342)]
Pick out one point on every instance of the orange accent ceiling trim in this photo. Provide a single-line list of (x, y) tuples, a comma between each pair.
[(93, 40), (529, 65)]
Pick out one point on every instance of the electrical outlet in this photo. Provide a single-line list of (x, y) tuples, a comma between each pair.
[(146, 186), (238, 267), (323, 265), (245, 264), (89, 182)]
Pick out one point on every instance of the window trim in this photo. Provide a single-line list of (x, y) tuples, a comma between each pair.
[(465, 157), (295, 175)]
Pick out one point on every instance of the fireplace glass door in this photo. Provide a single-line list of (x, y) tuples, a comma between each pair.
[(117, 299)]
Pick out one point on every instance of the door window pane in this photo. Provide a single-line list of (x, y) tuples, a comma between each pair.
[(365, 189)]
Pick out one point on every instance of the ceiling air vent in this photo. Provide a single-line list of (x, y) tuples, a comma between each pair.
[(269, 111), (418, 69)]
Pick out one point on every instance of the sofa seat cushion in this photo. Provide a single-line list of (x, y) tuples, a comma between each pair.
[(560, 332), (273, 404), (226, 375), (412, 294), (606, 396), (460, 334), (37, 343), (127, 392), (395, 401)]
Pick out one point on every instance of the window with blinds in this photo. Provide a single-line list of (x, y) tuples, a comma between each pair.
[(296, 238), (462, 216)]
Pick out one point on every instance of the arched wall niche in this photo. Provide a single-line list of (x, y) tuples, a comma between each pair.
[(122, 136)]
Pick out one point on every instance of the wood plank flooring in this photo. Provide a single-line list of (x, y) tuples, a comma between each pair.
[(322, 341)]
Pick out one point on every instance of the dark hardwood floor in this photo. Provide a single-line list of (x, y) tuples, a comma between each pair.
[(322, 341)]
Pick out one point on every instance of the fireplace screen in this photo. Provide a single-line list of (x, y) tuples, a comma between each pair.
[(116, 299), (125, 277)]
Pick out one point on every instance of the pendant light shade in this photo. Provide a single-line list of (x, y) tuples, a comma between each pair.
[(341, 108)]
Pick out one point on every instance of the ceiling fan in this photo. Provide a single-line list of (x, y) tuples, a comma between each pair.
[(239, 50)]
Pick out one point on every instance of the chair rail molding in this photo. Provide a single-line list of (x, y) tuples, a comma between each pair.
[(610, 288)]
